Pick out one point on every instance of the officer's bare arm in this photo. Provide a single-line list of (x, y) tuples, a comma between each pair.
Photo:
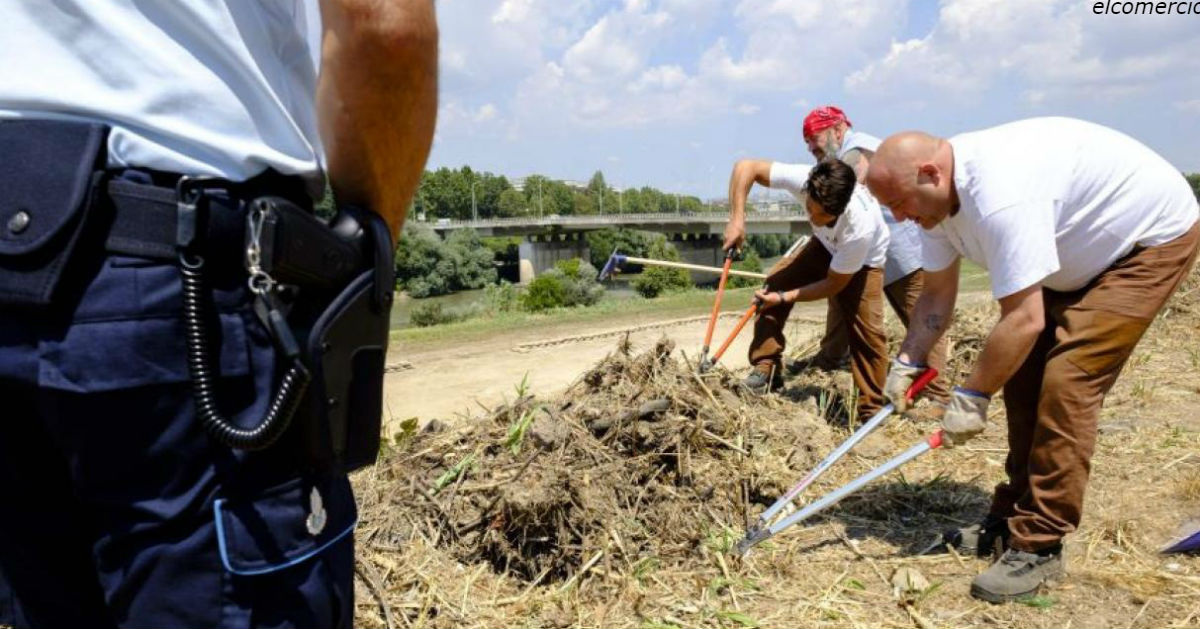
[(377, 100)]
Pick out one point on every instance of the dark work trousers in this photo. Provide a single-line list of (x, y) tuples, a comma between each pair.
[(902, 294), (116, 508), (862, 297), (1053, 401)]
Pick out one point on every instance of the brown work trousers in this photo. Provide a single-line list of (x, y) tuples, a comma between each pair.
[(1053, 400), (862, 297), (902, 294)]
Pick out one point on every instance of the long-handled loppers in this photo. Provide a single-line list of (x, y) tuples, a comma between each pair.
[(762, 529), (746, 317), (716, 309)]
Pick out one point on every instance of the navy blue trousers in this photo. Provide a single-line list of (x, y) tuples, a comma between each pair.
[(116, 509)]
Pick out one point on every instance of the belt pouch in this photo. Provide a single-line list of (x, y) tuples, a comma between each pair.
[(47, 169)]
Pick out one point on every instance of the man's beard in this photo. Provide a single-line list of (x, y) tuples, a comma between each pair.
[(830, 149)]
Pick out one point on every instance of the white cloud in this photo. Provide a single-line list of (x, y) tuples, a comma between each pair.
[(513, 11), (455, 118), (1056, 48), (485, 113), (1189, 106), (746, 109), (641, 63), (665, 77)]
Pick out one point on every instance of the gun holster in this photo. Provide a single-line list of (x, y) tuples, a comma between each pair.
[(344, 273)]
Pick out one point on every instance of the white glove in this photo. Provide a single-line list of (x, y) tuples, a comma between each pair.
[(966, 416), (900, 378)]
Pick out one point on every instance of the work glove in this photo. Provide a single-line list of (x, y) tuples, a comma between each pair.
[(966, 416), (900, 378)]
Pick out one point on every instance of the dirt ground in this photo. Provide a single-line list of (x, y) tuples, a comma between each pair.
[(457, 380), (838, 570)]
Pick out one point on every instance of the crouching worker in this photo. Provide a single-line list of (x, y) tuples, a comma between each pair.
[(1085, 233), (843, 262)]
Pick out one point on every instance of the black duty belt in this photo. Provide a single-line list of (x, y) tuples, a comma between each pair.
[(145, 221)]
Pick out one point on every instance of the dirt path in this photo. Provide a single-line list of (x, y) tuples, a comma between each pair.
[(459, 379)]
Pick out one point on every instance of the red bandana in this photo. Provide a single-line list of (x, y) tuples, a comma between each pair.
[(821, 119)]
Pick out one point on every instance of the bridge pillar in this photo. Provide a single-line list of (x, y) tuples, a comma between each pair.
[(702, 249), (538, 252)]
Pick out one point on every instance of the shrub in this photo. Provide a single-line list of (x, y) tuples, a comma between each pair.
[(426, 314), (657, 280), (502, 297), (570, 283), (545, 292), (579, 282), (750, 262)]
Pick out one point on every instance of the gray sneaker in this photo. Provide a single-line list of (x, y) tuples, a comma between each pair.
[(987, 538), (759, 382), (1017, 574)]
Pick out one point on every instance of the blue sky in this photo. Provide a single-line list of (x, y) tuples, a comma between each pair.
[(669, 93)]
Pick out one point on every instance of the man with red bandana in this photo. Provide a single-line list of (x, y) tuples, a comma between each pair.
[(829, 133)]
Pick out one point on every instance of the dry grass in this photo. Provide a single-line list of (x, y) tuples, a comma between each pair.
[(617, 503)]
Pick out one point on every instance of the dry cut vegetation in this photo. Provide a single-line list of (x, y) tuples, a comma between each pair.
[(617, 503)]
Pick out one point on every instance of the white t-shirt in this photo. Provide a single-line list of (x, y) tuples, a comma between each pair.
[(1056, 201), (858, 140), (223, 88), (904, 237), (858, 238)]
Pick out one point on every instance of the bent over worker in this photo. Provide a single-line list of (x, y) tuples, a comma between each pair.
[(162, 451), (843, 262), (1085, 233), (829, 133)]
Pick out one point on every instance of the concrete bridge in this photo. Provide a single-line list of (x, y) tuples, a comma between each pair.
[(696, 235)]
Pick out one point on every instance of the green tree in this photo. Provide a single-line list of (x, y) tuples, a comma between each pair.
[(473, 262), (1194, 179), (602, 242), (596, 184), (512, 203), (419, 262), (427, 266), (657, 280)]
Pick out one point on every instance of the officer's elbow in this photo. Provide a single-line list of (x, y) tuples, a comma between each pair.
[(397, 31)]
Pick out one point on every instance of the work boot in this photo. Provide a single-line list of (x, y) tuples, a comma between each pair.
[(980, 539), (760, 381), (815, 361), (1018, 574)]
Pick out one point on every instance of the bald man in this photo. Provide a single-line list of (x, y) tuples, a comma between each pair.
[(1085, 233)]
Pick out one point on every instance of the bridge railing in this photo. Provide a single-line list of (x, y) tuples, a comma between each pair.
[(616, 219)]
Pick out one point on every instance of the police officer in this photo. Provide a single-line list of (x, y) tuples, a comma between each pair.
[(118, 507)]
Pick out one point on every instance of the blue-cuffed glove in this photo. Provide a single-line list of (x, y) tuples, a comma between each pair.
[(966, 416), (900, 378)]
